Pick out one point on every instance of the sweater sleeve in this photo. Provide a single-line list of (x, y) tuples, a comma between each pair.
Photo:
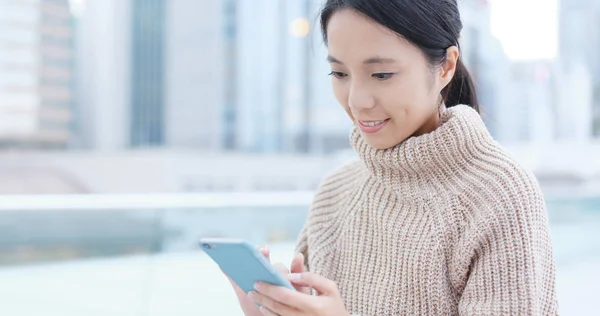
[(503, 264), (332, 190)]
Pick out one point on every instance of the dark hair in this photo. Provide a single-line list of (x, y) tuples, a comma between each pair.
[(431, 25)]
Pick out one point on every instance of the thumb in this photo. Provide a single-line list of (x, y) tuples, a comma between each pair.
[(321, 284)]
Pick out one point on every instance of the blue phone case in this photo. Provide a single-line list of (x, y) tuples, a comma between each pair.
[(243, 263)]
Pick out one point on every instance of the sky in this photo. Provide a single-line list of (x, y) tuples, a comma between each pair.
[(528, 29)]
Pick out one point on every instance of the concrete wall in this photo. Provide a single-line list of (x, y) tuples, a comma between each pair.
[(570, 165), (163, 171)]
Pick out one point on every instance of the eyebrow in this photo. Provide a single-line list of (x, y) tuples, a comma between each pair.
[(372, 60)]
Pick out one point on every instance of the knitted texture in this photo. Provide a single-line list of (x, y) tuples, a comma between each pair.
[(443, 224)]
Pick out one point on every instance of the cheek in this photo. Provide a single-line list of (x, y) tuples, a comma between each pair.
[(341, 93), (407, 97), (398, 99)]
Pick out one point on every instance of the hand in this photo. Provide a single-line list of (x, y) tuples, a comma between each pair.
[(247, 304), (280, 301)]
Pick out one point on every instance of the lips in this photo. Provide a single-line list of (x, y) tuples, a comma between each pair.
[(371, 123), (372, 126)]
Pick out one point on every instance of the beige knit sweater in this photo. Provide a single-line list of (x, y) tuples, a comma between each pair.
[(442, 224)]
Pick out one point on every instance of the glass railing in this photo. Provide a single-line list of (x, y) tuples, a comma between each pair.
[(137, 254)]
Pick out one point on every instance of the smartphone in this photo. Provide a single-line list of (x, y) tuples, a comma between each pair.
[(243, 263)]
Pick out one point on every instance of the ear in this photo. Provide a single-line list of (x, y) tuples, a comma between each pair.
[(449, 66)]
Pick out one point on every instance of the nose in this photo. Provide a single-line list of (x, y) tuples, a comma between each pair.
[(360, 97)]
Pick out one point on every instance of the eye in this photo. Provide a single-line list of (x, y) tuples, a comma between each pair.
[(383, 75), (337, 74)]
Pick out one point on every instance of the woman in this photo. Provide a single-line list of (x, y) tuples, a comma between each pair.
[(435, 218)]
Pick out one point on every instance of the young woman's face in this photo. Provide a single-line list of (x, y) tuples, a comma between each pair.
[(384, 83)]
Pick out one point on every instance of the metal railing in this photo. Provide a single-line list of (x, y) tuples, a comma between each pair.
[(83, 202), (42, 228)]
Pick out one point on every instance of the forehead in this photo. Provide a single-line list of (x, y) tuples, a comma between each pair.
[(351, 34)]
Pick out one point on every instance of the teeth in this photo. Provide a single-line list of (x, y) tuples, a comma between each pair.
[(372, 123)]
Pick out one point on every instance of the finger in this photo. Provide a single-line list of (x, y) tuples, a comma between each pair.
[(238, 290), (284, 296), (320, 283), (267, 312), (281, 268), (233, 283), (242, 297), (270, 305), (297, 266), (265, 251)]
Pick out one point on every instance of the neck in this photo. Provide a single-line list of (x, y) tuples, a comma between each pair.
[(432, 156), (430, 125)]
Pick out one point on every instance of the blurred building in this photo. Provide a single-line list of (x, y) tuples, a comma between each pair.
[(490, 68), (121, 64), (150, 74), (103, 88), (215, 75), (200, 71), (284, 98), (534, 110), (35, 73), (573, 92), (579, 45)]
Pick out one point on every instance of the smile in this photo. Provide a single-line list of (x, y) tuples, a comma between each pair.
[(372, 126)]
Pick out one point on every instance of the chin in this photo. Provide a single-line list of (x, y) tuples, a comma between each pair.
[(379, 143)]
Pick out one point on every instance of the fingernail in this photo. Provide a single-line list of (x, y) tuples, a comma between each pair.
[(257, 285), (294, 276), (252, 294)]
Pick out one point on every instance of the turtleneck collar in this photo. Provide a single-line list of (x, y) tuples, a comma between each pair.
[(460, 137)]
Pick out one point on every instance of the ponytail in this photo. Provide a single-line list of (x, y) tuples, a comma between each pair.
[(461, 89)]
